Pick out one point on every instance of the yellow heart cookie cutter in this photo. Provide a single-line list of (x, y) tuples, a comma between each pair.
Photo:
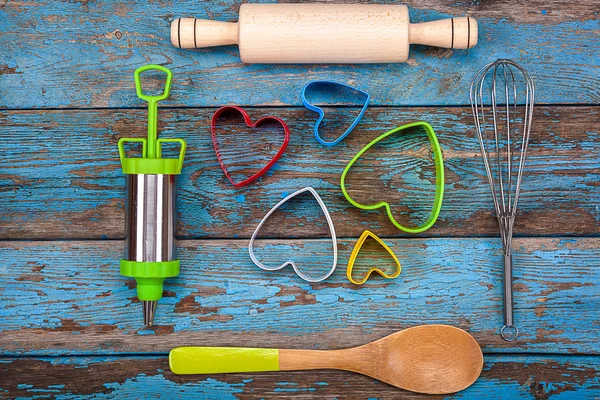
[(356, 250)]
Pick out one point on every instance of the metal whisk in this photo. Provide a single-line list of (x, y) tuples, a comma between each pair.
[(502, 98)]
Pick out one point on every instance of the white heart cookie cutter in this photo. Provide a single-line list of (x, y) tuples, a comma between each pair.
[(291, 262)]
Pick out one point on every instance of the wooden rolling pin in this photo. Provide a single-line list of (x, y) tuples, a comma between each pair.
[(323, 33)]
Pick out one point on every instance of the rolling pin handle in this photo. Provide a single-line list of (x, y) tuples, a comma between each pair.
[(192, 33), (450, 33)]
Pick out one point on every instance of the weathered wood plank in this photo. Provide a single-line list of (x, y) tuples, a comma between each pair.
[(68, 298), (61, 177), (504, 376), (49, 46)]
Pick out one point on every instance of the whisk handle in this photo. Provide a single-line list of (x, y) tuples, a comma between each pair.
[(509, 330)]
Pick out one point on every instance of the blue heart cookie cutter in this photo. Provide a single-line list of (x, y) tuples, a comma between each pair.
[(321, 113)]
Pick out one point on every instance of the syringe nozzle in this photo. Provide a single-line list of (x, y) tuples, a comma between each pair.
[(149, 311)]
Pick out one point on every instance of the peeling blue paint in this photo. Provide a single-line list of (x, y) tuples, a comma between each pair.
[(98, 53), (551, 276), (47, 286), (24, 386), (62, 189), (240, 198), (147, 386)]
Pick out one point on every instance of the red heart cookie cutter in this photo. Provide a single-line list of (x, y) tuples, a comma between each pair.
[(250, 124)]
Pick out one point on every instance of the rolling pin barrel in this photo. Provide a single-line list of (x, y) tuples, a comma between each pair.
[(323, 33)]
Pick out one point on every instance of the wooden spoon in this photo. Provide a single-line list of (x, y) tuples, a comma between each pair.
[(433, 359)]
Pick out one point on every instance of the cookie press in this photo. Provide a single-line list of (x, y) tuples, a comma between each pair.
[(150, 205)]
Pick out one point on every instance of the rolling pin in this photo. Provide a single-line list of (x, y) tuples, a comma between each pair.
[(323, 33)]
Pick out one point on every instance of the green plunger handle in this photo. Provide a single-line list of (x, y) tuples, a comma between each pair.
[(152, 103)]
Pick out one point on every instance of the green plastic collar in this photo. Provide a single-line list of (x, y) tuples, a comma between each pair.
[(151, 161), (149, 276), (439, 179), (171, 166)]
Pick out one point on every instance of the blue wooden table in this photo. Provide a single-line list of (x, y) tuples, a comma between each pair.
[(70, 325)]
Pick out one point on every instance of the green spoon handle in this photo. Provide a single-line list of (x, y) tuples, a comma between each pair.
[(218, 360)]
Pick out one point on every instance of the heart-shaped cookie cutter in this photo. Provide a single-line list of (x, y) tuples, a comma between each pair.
[(321, 113), (291, 262), (439, 179), (250, 124), (365, 235)]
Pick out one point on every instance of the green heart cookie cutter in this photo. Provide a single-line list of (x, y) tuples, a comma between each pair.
[(439, 179)]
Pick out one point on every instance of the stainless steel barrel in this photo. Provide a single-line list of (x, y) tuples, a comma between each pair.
[(150, 217)]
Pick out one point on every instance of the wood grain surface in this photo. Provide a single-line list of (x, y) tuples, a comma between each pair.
[(75, 302), (96, 45), (70, 325), (84, 189), (134, 377)]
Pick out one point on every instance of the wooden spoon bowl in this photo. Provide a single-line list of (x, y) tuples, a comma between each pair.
[(432, 359)]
